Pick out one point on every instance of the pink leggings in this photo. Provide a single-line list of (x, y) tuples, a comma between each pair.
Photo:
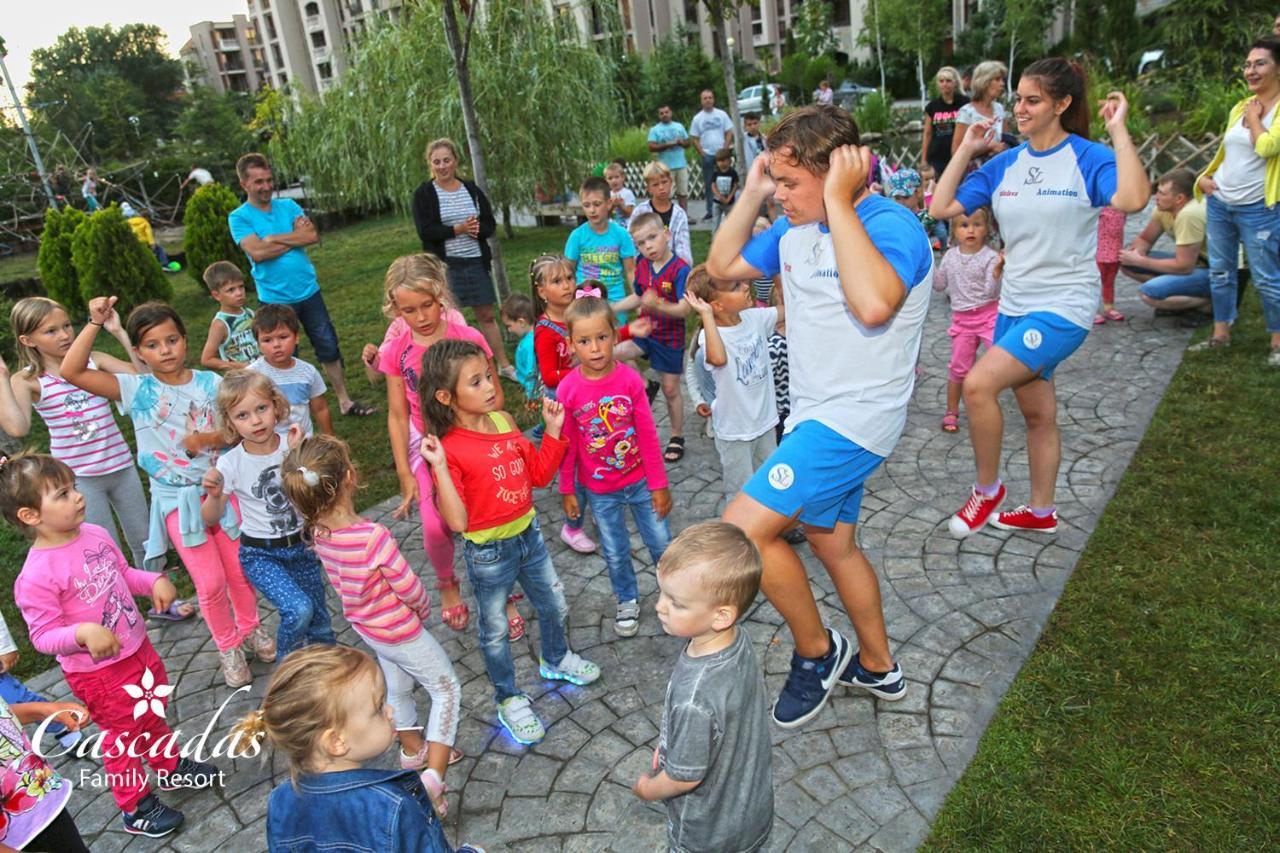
[(968, 329), (1108, 269), (437, 538), (214, 566)]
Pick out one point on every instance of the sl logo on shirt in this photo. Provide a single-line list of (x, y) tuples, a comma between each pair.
[(1032, 339), (781, 476)]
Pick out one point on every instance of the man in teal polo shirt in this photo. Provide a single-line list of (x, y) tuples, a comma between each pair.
[(273, 233)]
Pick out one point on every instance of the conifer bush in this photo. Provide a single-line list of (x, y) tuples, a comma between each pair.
[(207, 237), (57, 271), (110, 261)]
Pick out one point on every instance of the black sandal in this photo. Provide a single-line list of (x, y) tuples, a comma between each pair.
[(674, 451), (360, 410)]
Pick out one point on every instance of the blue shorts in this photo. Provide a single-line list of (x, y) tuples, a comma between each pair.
[(662, 358), (816, 474), (1041, 340)]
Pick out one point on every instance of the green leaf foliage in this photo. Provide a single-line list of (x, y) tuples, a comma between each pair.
[(111, 261), (362, 144), (57, 271), (812, 28), (207, 237)]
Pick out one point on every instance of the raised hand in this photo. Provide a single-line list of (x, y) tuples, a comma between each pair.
[(101, 308), (552, 415), (212, 483), (433, 452), (698, 304), (847, 175), (978, 136), (1114, 110), (759, 182), (294, 436)]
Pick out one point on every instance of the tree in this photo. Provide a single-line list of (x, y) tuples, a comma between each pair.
[(206, 237), (872, 38), (916, 27), (111, 261), (361, 146), (57, 272), (211, 127), (675, 72), (1025, 24), (718, 12), (103, 77), (1212, 37), (812, 28)]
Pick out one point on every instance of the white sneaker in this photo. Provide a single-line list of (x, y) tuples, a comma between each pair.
[(572, 668), (517, 717), (626, 621), (235, 669)]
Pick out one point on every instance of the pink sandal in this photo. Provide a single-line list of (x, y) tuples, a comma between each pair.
[(951, 421), (1113, 315)]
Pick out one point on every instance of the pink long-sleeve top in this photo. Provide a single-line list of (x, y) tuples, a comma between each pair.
[(969, 280), (613, 442), (86, 580), (381, 596)]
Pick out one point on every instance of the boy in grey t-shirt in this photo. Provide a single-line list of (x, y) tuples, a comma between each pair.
[(712, 762)]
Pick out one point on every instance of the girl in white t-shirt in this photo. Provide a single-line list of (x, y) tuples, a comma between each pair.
[(273, 554)]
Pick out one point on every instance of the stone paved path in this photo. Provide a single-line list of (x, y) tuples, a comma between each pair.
[(963, 616)]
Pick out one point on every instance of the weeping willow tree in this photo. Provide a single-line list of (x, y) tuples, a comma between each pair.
[(543, 102)]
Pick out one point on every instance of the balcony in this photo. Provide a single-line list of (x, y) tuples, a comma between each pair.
[(320, 54), (313, 22), (228, 45)]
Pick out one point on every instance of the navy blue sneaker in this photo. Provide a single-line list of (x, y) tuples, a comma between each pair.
[(189, 774), (152, 818), (810, 683), (890, 687)]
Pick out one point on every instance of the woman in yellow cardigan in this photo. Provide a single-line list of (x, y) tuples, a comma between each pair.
[(1243, 185)]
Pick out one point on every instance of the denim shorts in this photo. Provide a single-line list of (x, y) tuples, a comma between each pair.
[(816, 474), (1041, 340), (315, 320), (469, 281)]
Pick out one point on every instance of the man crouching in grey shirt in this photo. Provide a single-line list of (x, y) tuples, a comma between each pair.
[(712, 764)]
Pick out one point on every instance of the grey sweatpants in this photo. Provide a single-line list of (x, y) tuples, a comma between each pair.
[(120, 491), (740, 459)]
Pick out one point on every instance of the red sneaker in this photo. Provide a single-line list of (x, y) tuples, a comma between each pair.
[(1023, 518), (975, 512)]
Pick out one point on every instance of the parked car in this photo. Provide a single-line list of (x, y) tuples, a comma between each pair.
[(849, 93), (1151, 60), (750, 100)]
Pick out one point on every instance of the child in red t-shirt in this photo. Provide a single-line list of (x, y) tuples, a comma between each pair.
[(485, 471)]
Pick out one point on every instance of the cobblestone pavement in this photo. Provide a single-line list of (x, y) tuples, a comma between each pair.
[(962, 616)]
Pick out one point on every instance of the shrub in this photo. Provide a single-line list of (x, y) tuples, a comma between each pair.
[(208, 237), (110, 261), (7, 340), (57, 272), (874, 113), (631, 144)]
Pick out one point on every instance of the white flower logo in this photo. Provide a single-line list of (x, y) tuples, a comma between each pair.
[(148, 694)]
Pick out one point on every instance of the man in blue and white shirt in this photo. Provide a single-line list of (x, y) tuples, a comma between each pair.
[(856, 271)]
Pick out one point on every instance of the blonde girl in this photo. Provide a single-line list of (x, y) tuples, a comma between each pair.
[(416, 291), (326, 710), (82, 432), (172, 412), (272, 553), (383, 600)]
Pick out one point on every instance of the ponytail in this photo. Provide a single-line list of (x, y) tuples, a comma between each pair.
[(1061, 78)]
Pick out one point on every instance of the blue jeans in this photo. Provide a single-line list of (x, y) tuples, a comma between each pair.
[(1194, 283), (13, 691), (316, 322), (1258, 228), (610, 510), (493, 569), (708, 169), (292, 580)]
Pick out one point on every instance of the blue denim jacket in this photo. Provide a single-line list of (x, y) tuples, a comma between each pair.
[(354, 811)]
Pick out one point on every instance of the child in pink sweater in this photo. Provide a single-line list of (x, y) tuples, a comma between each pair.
[(970, 274), (76, 592), (613, 451)]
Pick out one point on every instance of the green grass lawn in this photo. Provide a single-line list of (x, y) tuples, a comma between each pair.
[(350, 263), (1146, 718)]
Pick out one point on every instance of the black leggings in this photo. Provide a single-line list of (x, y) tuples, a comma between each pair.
[(60, 836)]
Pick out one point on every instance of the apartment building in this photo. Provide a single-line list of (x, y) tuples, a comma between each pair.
[(306, 42), (226, 56)]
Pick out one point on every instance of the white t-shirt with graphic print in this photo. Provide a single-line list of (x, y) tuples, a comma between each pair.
[(744, 407)]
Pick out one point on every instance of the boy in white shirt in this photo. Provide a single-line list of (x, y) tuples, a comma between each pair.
[(855, 271), (734, 343)]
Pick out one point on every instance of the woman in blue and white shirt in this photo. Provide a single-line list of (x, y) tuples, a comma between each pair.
[(1046, 194)]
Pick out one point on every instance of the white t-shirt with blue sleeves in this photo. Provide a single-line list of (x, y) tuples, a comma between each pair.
[(856, 380), (1047, 205)]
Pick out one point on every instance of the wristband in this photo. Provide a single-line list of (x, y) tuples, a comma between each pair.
[(99, 325)]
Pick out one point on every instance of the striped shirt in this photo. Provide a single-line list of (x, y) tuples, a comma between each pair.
[(82, 431), (458, 206), (381, 596)]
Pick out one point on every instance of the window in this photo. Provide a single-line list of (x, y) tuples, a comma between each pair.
[(271, 27), (841, 13), (284, 79), (312, 10), (325, 70), (317, 39), (277, 56)]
